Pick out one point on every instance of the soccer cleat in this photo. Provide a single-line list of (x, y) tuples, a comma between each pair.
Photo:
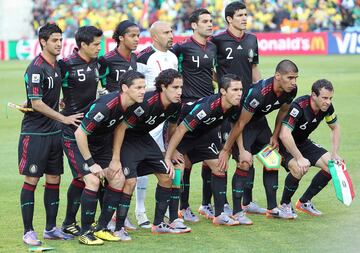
[(207, 211), (279, 213), (242, 219), (89, 238), (188, 215), (71, 229), (164, 228), (30, 238), (224, 219), (288, 209), (228, 210), (143, 220), (122, 235), (106, 235), (128, 224), (56, 234), (253, 208), (307, 207), (179, 225)]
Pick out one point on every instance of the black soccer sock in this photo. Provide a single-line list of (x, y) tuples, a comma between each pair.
[(27, 200), (218, 185), (174, 204), (162, 197), (290, 187), (122, 210), (238, 183), (184, 197), (319, 181), (110, 204), (73, 200), (270, 180), (247, 197), (101, 193), (206, 187), (88, 200), (51, 203), (226, 177)]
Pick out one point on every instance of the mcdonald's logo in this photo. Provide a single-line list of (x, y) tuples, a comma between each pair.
[(317, 44)]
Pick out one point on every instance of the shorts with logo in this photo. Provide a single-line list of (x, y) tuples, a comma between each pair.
[(140, 156), (309, 149), (203, 147), (256, 135), (40, 154), (100, 149)]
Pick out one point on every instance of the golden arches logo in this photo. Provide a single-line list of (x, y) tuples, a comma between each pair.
[(317, 43)]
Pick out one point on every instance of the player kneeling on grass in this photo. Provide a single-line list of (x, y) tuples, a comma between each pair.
[(141, 155), (197, 136), (299, 152), (94, 138), (40, 149)]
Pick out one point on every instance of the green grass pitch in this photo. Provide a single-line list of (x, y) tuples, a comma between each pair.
[(338, 230)]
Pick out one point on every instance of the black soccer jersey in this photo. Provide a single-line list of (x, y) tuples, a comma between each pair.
[(205, 114), (302, 119), (79, 83), (112, 66), (196, 64), (104, 115), (236, 55), (42, 81), (261, 99), (144, 117)]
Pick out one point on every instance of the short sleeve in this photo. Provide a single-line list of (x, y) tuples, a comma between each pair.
[(293, 116), (34, 78)]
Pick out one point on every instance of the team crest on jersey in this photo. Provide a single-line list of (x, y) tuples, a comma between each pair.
[(33, 168), (254, 103), (35, 78), (126, 171), (99, 117), (139, 111), (294, 112), (201, 115)]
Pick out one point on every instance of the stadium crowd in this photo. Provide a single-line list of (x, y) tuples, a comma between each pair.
[(264, 16)]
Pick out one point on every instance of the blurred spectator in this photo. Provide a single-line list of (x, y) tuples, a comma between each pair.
[(264, 15)]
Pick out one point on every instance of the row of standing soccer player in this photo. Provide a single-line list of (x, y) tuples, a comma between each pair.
[(100, 140)]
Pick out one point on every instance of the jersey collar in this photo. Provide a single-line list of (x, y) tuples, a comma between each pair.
[(198, 43), (128, 59), (238, 39)]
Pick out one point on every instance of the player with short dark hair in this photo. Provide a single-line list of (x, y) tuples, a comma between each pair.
[(197, 57), (299, 152), (252, 133), (140, 154), (121, 59), (197, 137), (39, 148), (80, 78), (237, 53), (94, 139)]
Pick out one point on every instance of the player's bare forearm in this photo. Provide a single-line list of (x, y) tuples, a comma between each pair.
[(82, 143), (289, 142), (237, 129), (335, 138), (175, 140), (171, 130), (119, 134), (256, 76), (240, 143), (39, 106), (279, 118)]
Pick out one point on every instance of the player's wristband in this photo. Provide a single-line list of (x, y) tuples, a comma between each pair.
[(90, 162)]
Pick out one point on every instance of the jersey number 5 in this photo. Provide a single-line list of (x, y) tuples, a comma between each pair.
[(81, 75)]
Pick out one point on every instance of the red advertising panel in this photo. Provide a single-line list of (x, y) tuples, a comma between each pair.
[(2, 50), (297, 43)]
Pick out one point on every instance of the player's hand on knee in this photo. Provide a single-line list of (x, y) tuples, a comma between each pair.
[(245, 157), (97, 170), (178, 157), (113, 169), (169, 167), (223, 160), (303, 164), (74, 119)]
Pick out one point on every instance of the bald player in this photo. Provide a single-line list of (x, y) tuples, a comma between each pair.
[(151, 61)]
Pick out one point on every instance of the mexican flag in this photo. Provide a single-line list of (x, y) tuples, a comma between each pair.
[(342, 182)]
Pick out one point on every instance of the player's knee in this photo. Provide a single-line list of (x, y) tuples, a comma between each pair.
[(243, 166), (31, 180), (92, 182), (129, 185), (164, 180), (52, 179), (118, 181)]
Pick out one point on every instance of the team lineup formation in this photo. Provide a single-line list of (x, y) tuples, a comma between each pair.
[(159, 112)]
